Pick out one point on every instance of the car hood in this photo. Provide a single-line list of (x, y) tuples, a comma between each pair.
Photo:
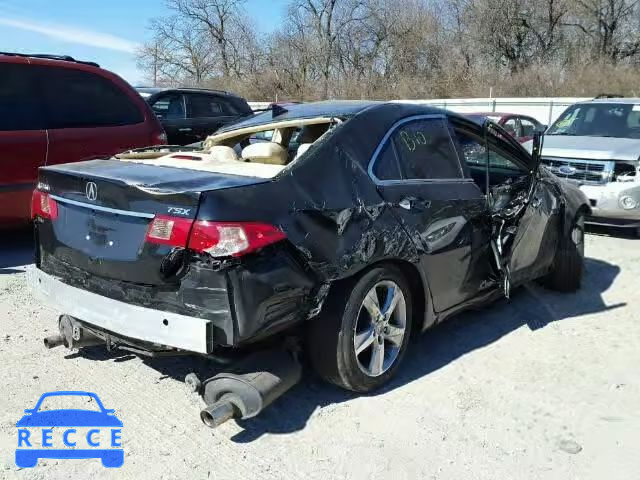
[(591, 148), (69, 418)]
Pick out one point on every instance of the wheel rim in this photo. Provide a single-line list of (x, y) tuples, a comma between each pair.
[(380, 328), (577, 237)]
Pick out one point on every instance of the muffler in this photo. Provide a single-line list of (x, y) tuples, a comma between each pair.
[(258, 382), (72, 335)]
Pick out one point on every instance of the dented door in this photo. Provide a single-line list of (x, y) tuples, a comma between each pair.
[(418, 173), (521, 208)]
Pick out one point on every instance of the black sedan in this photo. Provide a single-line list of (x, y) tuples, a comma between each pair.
[(385, 218)]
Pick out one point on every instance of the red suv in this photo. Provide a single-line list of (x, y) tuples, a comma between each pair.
[(58, 110)]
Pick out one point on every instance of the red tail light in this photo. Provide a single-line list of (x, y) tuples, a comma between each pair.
[(171, 231), (222, 239), (43, 206), (219, 239), (159, 138)]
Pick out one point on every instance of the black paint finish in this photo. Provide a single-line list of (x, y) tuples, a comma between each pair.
[(337, 219)]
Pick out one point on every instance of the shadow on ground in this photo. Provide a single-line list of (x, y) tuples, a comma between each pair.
[(16, 250), (531, 306)]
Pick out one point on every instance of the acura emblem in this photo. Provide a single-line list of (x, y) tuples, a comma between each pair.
[(91, 191), (566, 170)]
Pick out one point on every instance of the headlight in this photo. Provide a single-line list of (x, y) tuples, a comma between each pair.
[(627, 202)]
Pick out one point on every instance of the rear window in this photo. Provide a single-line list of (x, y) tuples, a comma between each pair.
[(79, 99), (169, 107), (420, 149), (20, 107)]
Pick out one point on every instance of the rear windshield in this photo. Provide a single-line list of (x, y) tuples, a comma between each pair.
[(599, 120)]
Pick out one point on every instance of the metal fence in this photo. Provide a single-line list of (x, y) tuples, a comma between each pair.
[(543, 109)]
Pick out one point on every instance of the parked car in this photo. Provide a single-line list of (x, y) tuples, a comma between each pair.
[(388, 218), (189, 115), (521, 127), (57, 110), (596, 145)]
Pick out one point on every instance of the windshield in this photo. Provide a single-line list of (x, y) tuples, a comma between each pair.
[(599, 120)]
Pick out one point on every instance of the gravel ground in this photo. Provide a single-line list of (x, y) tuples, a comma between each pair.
[(543, 386)]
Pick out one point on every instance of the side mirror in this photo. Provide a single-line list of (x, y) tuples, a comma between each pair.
[(29, 410)]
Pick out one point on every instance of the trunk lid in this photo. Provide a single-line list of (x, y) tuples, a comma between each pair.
[(105, 208)]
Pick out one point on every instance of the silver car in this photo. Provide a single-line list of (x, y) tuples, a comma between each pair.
[(596, 144)]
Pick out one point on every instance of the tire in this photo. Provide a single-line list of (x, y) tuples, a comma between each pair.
[(350, 316), (568, 264)]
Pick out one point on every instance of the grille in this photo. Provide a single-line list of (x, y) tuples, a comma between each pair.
[(581, 171)]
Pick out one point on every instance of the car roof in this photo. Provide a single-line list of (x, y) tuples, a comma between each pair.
[(45, 58), (492, 114), (156, 90), (625, 101)]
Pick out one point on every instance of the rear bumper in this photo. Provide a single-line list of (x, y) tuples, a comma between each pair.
[(133, 321)]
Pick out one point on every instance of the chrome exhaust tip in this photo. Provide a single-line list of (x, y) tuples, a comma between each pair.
[(215, 415), (53, 341)]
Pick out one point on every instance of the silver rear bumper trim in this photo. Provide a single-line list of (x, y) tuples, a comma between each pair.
[(140, 323)]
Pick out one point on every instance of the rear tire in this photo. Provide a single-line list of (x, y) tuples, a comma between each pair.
[(568, 265), (361, 336)]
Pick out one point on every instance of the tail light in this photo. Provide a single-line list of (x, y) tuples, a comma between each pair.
[(43, 206), (159, 138), (171, 231), (232, 239), (218, 239)]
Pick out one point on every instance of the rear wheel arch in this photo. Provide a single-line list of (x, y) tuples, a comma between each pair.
[(418, 285)]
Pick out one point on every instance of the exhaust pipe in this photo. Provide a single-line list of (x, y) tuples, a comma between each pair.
[(215, 415), (72, 335), (53, 341), (260, 380)]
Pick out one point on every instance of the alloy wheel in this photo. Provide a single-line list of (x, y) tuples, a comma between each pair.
[(380, 328)]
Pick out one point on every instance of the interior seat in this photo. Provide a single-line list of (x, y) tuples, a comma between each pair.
[(265, 152), (222, 153), (302, 149)]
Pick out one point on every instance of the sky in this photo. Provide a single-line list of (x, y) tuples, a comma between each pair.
[(107, 32)]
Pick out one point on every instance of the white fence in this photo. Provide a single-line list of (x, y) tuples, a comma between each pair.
[(543, 109)]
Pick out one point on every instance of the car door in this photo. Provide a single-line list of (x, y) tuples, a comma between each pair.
[(417, 172), (207, 113), (170, 108), (528, 128), (23, 141), (512, 126), (521, 207)]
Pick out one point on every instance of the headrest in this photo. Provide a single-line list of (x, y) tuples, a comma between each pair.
[(302, 149), (265, 152), (222, 153)]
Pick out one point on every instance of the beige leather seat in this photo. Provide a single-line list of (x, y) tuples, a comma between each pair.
[(265, 152), (222, 153), (302, 149)]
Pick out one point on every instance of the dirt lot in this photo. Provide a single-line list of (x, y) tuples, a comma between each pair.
[(544, 386)]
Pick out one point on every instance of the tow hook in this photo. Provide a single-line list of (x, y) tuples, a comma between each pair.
[(72, 335), (256, 383)]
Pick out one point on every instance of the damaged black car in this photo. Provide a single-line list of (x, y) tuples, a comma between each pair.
[(331, 229)]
